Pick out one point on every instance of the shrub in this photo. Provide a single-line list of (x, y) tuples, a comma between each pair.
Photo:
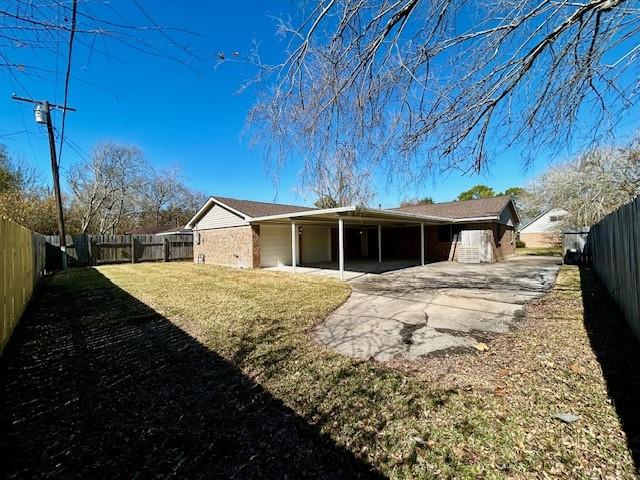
[(520, 244)]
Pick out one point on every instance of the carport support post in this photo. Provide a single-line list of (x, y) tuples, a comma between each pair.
[(379, 243), (294, 245), (422, 243), (341, 247)]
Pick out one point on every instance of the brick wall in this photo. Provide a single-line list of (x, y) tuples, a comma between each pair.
[(541, 240), (233, 246), (441, 251), (436, 251), (505, 242), (255, 242)]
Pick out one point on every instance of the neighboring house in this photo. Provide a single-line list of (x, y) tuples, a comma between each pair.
[(250, 234), (545, 230)]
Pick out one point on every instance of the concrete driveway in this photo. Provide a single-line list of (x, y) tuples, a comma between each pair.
[(435, 308)]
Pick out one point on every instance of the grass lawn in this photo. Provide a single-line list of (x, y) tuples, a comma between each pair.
[(545, 251), (485, 415)]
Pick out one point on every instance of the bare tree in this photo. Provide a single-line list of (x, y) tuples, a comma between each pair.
[(159, 193), (592, 185), (424, 85), (166, 201), (117, 190), (102, 187), (338, 180)]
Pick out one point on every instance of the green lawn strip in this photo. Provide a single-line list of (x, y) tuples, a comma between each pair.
[(544, 251), (461, 416)]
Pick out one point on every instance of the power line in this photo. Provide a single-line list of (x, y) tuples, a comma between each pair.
[(11, 134), (68, 75)]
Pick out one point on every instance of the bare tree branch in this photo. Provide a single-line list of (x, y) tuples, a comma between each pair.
[(425, 85)]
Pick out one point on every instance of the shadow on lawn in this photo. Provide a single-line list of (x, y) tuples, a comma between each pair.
[(96, 384), (618, 352)]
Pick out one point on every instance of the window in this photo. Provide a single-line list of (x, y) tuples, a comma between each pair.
[(556, 218), (444, 233), (448, 233)]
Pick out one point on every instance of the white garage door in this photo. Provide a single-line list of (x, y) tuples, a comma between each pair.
[(316, 244), (275, 245)]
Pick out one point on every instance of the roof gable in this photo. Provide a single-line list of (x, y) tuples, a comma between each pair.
[(542, 218), (246, 209), (254, 209)]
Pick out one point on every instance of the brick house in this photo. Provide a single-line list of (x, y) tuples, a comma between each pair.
[(251, 234)]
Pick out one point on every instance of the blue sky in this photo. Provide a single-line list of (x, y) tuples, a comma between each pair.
[(194, 120)]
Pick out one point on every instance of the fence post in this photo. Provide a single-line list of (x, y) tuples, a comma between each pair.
[(165, 249), (89, 251), (133, 249)]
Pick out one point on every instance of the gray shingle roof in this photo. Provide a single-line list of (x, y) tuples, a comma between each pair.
[(483, 207), (261, 209)]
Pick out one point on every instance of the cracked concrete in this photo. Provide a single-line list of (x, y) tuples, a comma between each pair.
[(421, 310)]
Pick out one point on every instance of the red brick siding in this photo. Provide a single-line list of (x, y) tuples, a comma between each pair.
[(255, 241), (504, 242), (436, 251)]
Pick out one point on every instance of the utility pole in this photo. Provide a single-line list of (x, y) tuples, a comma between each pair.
[(43, 115)]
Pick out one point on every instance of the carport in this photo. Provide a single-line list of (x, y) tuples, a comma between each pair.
[(367, 238)]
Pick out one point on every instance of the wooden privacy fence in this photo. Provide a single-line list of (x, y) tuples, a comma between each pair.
[(613, 246), (84, 250), (22, 263)]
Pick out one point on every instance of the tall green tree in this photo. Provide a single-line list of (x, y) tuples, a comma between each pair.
[(22, 198), (479, 191), (8, 178), (326, 201), (15, 176), (515, 192), (522, 200)]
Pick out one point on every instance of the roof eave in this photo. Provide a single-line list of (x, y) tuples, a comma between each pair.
[(492, 218), (342, 210), (324, 211), (409, 216)]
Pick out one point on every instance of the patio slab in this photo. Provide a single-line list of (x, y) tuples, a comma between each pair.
[(353, 269), (421, 310)]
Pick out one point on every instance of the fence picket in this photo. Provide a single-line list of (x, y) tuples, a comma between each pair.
[(614, 249), (22, 259), (85, 250)]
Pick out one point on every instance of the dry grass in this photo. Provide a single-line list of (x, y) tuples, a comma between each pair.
[(486, 415)]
